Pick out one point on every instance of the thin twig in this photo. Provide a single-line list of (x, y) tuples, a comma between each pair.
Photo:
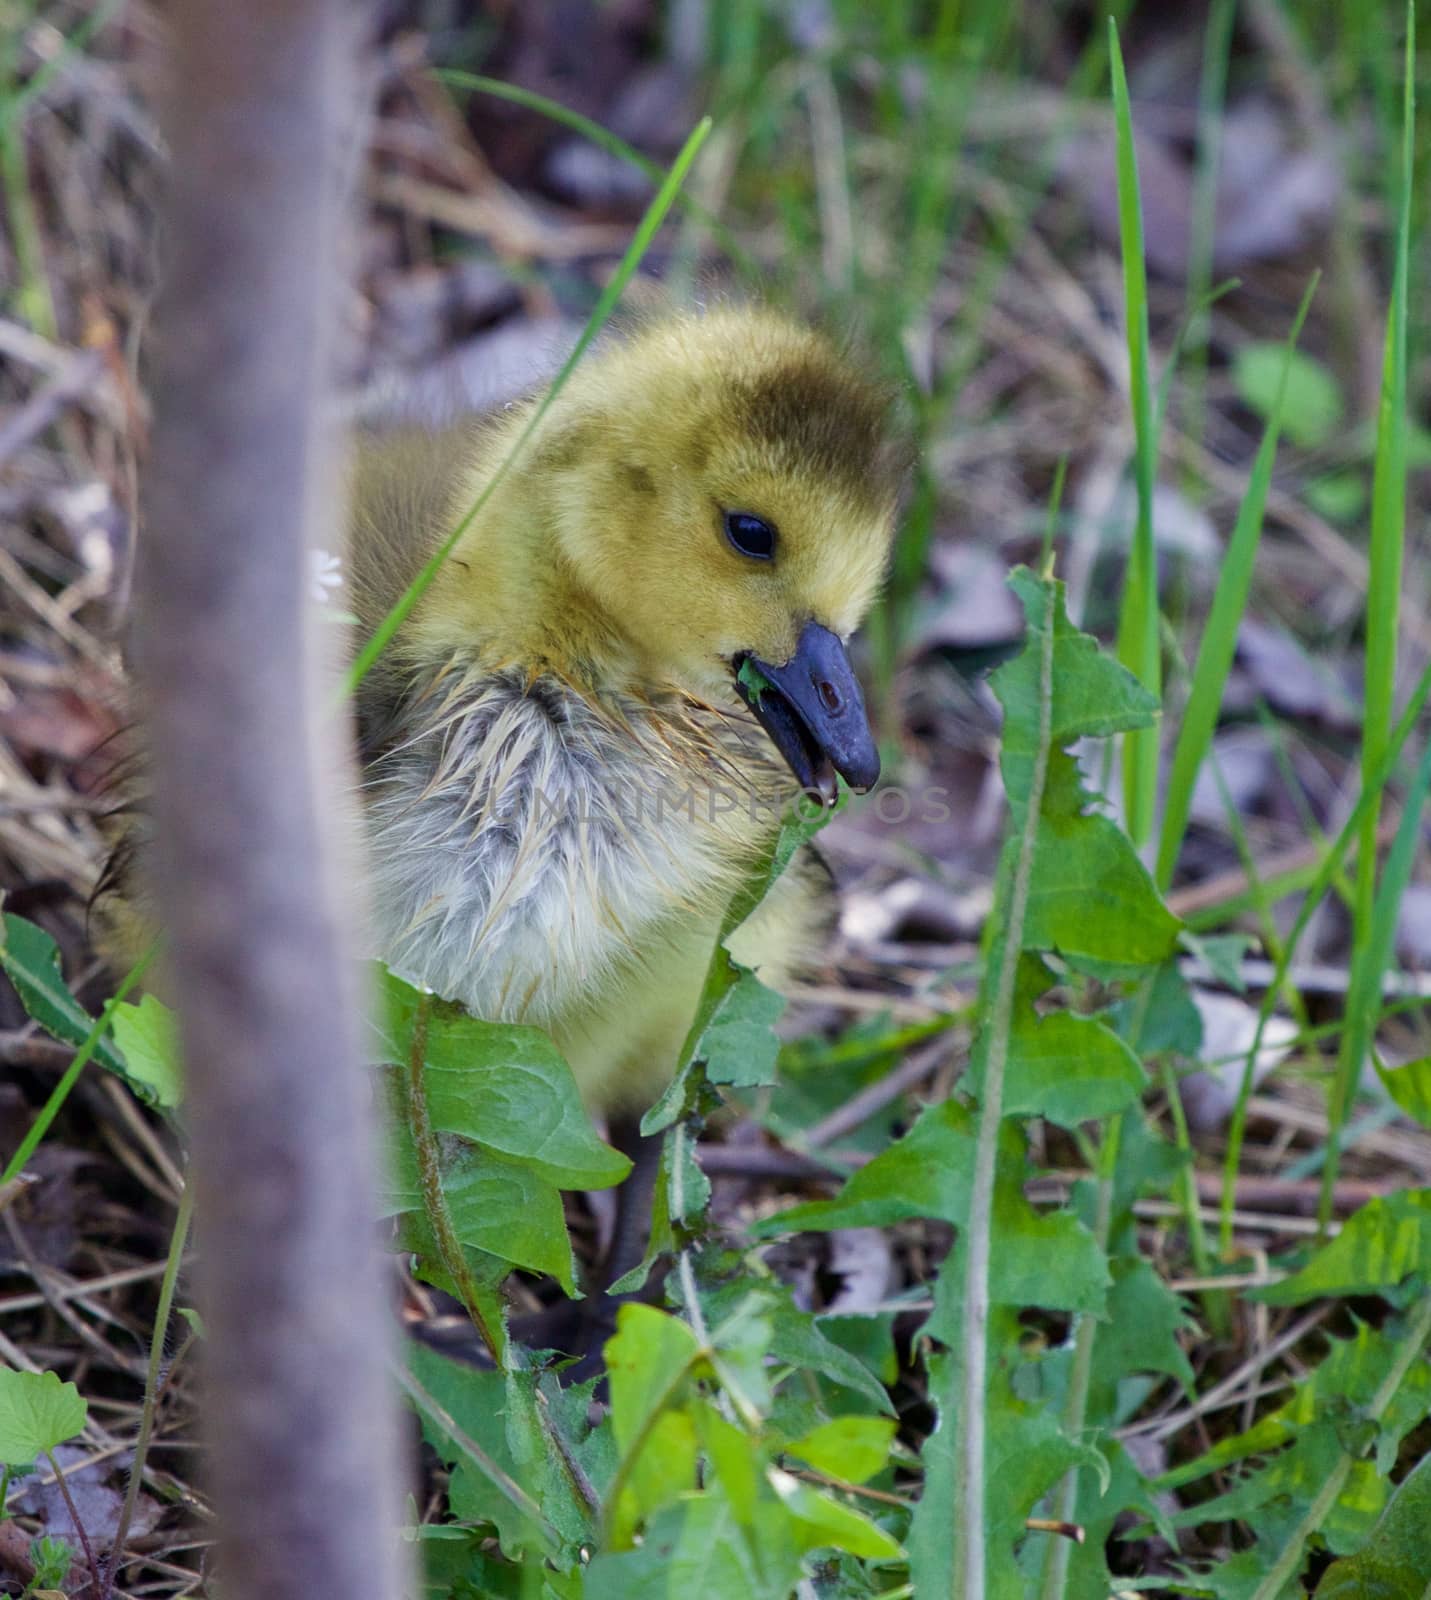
[(177, 1241), (75, 1518)]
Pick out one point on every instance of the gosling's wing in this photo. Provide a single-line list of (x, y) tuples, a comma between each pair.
[(403, 490)]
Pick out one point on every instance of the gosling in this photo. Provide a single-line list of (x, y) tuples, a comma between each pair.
[(566, 775), (583, 738)]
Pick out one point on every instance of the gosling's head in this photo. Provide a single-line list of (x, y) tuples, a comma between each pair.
[(723, 488)]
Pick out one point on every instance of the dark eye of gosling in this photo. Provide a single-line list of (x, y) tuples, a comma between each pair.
[(751, 536)]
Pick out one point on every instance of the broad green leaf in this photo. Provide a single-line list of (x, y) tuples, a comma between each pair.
[(693, 1548), (1342, 1385), (1395, 1562), (1224, 954), (649, 1366), (924, 1174), (649, 1362), (1067, 1068), (1379, 1246), (797, 1337), (148, 1037), (663, 1469), (1099, 1505), (1093, 696), (824, 1524), (535, 1407), (739, 1347), (852, 1449), (475, 1400), (484, 1406), (30, 959), (1090, 896), (37, 1412), (1144, 1319), (716, 1009), (1137, 1334), (1027, 1455), (1279, 1493), (1410, 1087), (739, 1045), (497, 1206), (1048, 1260), (503, 1086), (454, 1565), (1312, 407), (1338, 496), (738, 1459), (1162, 1015)]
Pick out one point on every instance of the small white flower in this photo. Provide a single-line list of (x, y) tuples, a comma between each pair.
[(325, 575)]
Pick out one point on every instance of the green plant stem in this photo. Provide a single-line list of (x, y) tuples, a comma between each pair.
[(434, 1201), (75, 1519), (61, 1091), (454, 1258), (167, 1283), (640, 243), (638, 1444), (1289, 1562), (1075, 1411), (970, 1487), (1055, 502), (1187, 1182)]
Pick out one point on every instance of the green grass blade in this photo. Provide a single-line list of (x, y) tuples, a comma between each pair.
[(1383, 593), (1138, 648), (1219, 640), (1212, 87), (640, 243), (1331, 866), (45, 73), (1373, 954), (604, 139), (61, 1091)]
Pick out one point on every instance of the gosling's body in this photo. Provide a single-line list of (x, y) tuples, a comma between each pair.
[(562, 787), (544, 858)]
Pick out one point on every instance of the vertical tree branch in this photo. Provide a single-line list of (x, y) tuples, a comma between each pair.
[(300, 1420)]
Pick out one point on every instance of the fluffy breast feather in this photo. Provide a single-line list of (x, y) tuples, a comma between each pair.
[(530, 849)]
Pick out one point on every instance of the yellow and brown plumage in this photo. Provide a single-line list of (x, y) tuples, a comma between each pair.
[(562, 784)]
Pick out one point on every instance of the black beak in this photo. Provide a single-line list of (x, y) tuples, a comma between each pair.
[(814, 712)]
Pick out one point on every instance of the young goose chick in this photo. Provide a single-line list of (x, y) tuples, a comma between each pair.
[(565, 776)]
